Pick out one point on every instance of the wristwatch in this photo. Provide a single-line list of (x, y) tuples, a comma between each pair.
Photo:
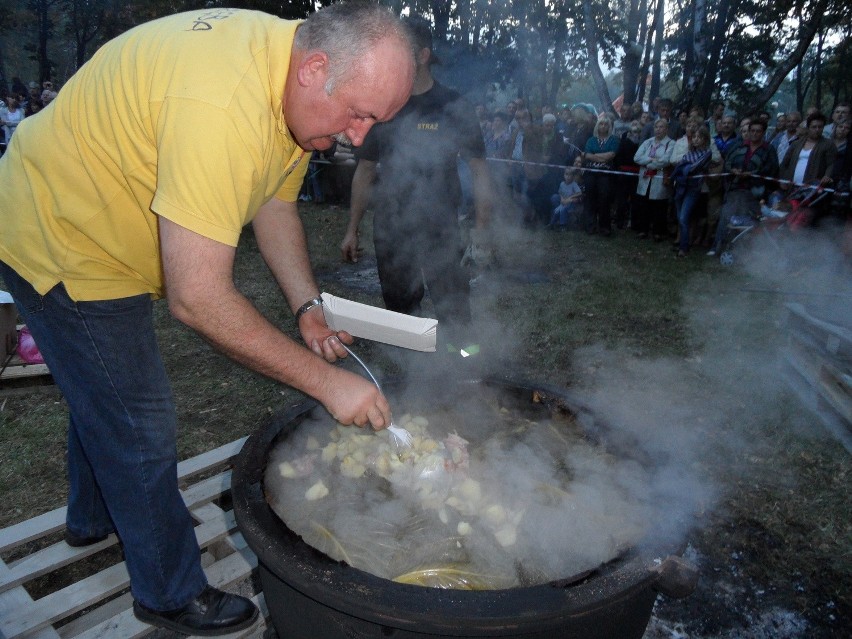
[(304, 308)]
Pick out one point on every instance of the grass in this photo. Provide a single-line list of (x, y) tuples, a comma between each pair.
[(782, 522)]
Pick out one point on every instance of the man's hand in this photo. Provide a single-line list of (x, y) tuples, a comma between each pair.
[(320, 338), (349, 249), (355, 400)]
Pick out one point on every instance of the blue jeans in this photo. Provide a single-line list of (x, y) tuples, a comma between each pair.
[(684, 203), (122, 458)]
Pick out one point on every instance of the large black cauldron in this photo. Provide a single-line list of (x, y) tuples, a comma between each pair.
[(311, 596)]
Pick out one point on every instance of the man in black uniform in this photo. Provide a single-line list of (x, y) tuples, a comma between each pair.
[(408, 169)]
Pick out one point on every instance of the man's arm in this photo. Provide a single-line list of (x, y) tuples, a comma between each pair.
[(362, 188), (198, 273), (281, 240)]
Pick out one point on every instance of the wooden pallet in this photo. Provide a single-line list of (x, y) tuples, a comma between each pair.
[(818, 363), (104, 597)]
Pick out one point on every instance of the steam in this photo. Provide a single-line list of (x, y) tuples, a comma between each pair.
[(699, 417), (537, 501)]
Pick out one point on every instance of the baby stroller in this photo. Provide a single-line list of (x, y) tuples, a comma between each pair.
[(785, 213)]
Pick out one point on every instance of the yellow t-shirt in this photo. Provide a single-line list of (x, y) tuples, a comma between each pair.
[(180, 117)]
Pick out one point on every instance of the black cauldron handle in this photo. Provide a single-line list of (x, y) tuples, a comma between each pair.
[(676, 577)]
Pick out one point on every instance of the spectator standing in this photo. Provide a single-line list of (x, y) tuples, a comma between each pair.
[(137, 208), (625, 189), (622, 124), (781, 143), (645, 118), (653, 156), (717, 112), (34, 95), (780, 126), (840, 137), (11, 118), (526, 163), (582, 127), (636, 111), (743, 131), (598, 156), (554, 157), (416, 195), (664, 112), (841, 112), (698, 206), (748, 163), (688, 181), (810, 159), (512, 110), (47, 92), (841, 171), (498, 139)]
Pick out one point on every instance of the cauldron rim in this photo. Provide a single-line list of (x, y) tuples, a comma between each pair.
[(358, 593)]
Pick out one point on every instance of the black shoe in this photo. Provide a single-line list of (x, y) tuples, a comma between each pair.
[(213, 612), (77, 541)]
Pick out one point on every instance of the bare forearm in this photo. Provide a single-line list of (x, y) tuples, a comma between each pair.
[(281, 240), (227, 320)]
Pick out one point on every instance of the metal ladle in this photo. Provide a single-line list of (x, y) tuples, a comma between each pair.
[(402, 437)]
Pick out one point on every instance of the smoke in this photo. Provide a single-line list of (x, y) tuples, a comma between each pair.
[(525, 498), (700, 417)]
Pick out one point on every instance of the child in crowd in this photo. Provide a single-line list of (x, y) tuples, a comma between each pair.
[(566, 200)]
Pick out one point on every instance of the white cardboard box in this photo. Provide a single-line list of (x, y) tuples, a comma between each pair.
[(380, 325)]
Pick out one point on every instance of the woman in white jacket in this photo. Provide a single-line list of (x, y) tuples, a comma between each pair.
[(653, 156), (12, 117)]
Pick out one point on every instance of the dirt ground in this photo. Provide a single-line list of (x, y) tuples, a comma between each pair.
[(773, 552)]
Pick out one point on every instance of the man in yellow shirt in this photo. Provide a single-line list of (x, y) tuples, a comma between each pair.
[(162, 147)]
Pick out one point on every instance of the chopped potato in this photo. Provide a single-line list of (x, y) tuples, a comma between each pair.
[(317, 491), (506, 536)]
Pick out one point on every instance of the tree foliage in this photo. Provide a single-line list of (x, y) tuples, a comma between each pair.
[(692, 50)]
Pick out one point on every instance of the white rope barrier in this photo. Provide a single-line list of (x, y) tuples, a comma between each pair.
[(585, 169), (659, 175)]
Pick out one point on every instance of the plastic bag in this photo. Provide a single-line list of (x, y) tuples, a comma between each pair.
[(27, 349)]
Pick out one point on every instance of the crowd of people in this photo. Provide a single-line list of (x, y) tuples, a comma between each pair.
[(20, 102), (660, 174)]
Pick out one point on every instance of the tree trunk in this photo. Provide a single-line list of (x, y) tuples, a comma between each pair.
[(699, 53), (800, 94), (818, 68), (43, 36), (441, 12), (727, 8), (808, 29), (557, 70), (632, 52), (646, 62), (658, 50), (591, 32)]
